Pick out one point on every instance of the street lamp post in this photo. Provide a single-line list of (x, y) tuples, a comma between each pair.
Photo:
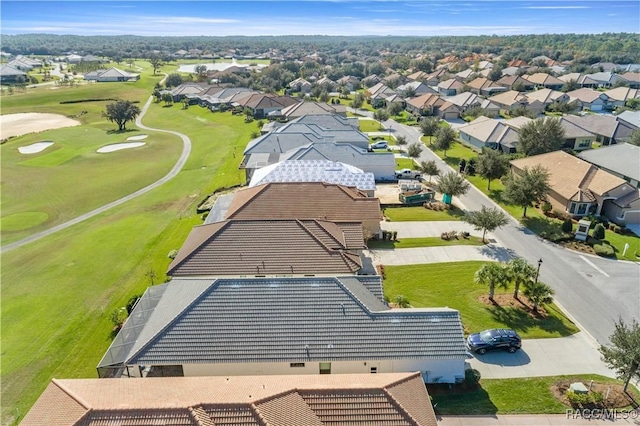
[(538, 271)]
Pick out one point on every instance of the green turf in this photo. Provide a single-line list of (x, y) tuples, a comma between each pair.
[(531, 395), (413, 214), (423, 242), (24, 220), (58, 292), (405, 163), (452, 285), (369, 125)]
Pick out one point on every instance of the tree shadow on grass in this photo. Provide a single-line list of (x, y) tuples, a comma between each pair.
[(458, 400), (121, 132), (522, 321)]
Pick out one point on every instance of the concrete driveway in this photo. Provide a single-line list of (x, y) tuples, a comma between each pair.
[(419, 255), (575, 354)]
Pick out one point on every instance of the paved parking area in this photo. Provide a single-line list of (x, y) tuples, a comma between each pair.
[(575, 354)]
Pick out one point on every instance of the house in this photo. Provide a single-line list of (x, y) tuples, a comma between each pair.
[(620, 160), (213, 97), (314, 400), (279, 326), (450, 87), (371, 80), (590, 99), (24, 63), (631, 117), (349, 81), (270, 248), (300, 85), (381, 164), (485, 87), (326, 83), (9, 74), (511, 81), (581, 80), (466, 100), (576, 138), (605, 79), (511, 100), (431, 104), (420, 76), (111, 75), (632, 79), (607, 128), (518, 63), (312, 108), (377, 94), (487, 132), (548, 97), (189, 89), (580, 188), (417, 88), (307, 200), (316, 171), (261, 104), (541, 79), (619, 96), (434, 78)]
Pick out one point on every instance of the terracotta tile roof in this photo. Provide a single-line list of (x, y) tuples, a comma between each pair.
[(543, 79), (426, 101), (304, 200), (347, 399), (569, 174), (269, 247)]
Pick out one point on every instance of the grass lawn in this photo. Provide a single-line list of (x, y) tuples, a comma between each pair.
[(424, 242), (58, 292), (369, 125), (418, 213), (405, 163), (531, 395), (452, 285)]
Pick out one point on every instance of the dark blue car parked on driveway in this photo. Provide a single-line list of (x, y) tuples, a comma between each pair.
[(494, 339)]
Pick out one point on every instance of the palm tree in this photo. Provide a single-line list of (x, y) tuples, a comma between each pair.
[(401, 301), (492, 275), (522, 273), (539, 294)]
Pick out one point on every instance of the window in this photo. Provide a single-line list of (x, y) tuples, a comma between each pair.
[(585, 143), (325, 368), (572, 208), (582, 208), (374, 370), (296, 364)]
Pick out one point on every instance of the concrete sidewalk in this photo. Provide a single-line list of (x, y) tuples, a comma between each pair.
[(569, 419), (419, 255), (429, 229)]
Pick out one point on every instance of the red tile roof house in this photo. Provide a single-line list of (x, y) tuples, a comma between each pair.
[(312, 400), (307, 200), (580, 188), (270, 247)]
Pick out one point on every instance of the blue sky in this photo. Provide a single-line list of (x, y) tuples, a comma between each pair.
[(335, 17)]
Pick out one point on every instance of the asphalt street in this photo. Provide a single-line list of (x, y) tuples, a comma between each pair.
[(595, 292)]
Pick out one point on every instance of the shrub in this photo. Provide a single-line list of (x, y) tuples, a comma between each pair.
[(567, 226), (598, 232), (131, 302), (118, 317), (546, 207), (617, 229), (471, 378), (172, 254), (604, 250), (597, 397), (470, 167)]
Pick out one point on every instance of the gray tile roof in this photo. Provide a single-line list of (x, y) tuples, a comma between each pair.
[(345, 153), (283, 319), (621, 158)]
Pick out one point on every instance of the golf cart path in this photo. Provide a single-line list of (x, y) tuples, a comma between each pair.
[(186, 151)]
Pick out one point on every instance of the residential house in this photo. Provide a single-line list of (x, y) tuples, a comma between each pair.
[(632, 79), (541, 79), (511, 100), (620, 160), (314, 400), (326, 83), (420, 76), (261, 104), (631, 117), (213, 97), (606, 66), (111, 75), (279, 326), (312, 108), (394, 79), (450, 87), (467, 75), (434, 78), (189, 89), (307, 200), (316, 171), (576, 137), (485, 87), (589, 99), (349, 81), (431, 104), (581, 188), (583, 81), (511, 81), (519, 63), (605, 79), (466, 100), (371, 80), (619, 96), (378, 94), (270, 248), (9, 74), (300, 85), (24, 63), (512, 71), (484, 132), (416, 87), (607, 128), (548, 97)]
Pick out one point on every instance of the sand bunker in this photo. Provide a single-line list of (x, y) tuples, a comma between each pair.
[(34, 148), (32, 122), (119, 146), (137, 137)]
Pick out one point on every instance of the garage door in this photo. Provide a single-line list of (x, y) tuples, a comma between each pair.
[(596, 107), (450, 115), (632, 217)]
